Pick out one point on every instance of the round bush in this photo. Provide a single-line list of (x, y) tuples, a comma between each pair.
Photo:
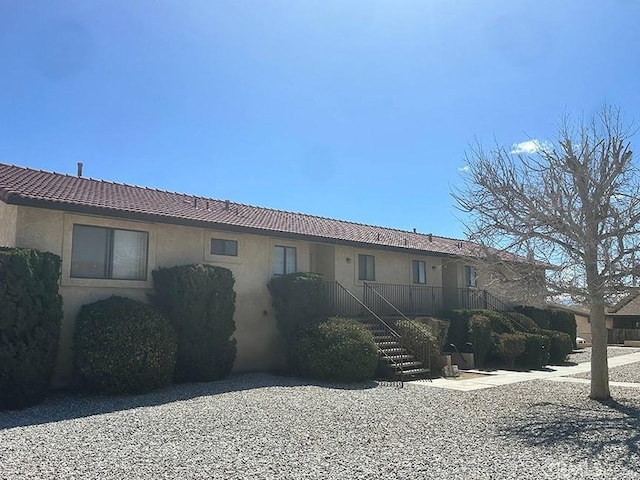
[(338, 349), (560, 345), (511, 346), (481, 337), (122, 346)]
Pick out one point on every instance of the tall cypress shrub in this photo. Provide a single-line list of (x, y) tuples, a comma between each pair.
[(299, 300), (199, 301), (30, 319)]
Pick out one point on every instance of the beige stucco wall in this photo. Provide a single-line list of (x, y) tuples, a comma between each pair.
[(256, 333), (8, 222), (390, 267), (169, 245), (583, 327)]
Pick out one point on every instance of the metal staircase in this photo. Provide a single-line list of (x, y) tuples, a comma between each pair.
[(392, 345)]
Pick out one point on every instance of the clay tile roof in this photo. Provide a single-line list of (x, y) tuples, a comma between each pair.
[(25, 186)]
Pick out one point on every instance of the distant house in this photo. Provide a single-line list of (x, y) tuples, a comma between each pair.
[(623, 319), (111, 236)]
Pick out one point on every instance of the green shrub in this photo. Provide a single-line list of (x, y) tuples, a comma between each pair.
[(560, 346), (338, 349), (199, 301), (542, 318), (522, 323), (421, 341), (510, 346), (458, 333), (536, 354), (122, 346), (563, 321), (480, 334), (299, 300), (30, 319), (553, 319)]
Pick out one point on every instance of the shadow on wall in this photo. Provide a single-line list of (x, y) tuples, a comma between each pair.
[(609, 430), (67, 406)]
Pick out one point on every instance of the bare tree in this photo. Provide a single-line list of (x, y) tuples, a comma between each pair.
[(573, 204)]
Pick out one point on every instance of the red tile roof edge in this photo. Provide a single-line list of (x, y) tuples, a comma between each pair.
[(19, 196)]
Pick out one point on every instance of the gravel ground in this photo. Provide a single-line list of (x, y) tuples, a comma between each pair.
[(267, 427), (622, 373), (584, 355)]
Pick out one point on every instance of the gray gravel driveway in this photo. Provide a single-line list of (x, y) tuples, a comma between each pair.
[(259, 426)]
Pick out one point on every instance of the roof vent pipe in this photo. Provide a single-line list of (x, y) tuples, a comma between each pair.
[(226, 204), (79, 169)]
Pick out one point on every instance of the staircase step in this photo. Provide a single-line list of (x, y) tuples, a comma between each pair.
[(409, 364), (393, 350), (415, 372), (398, 358)]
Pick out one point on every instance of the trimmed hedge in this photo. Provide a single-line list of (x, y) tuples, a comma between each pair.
[(30, 319), (553, 319), (563, 321), (199, 301), (560, 346), (458, 333), (481, 335), (339, 349), (510, 346), (122, 346), (299, 300), (536, 351), (537, 344)]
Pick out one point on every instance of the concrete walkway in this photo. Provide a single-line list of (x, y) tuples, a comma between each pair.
[(504, 377)]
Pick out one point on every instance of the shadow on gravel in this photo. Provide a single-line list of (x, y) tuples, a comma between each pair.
[(609, 428), (67, 406)]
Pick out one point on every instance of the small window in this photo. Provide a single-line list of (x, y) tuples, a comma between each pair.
[(471, 276), (98, 252), (285, 260), (419, 272), (224, 247), (366, 267)]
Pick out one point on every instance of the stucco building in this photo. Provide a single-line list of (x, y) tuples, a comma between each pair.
[(111, 236)]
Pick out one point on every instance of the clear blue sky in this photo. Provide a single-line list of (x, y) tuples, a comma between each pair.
[(358, 110)]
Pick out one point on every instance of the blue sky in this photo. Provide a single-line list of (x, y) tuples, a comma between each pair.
[(358, 110)]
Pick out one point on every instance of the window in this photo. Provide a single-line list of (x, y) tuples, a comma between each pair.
[(285, 260), (98, 252), (224, 247), (366, 267), (419, 272), (471, 276)]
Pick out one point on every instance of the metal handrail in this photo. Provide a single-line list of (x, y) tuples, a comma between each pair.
[(387, 302), (404, 317), (393, 333)]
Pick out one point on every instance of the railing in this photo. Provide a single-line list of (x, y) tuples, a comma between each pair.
[(346, 303), (481, 299), (411, 300), (419, 348)]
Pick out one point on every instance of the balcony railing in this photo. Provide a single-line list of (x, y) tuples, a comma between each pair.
[(412, 300)]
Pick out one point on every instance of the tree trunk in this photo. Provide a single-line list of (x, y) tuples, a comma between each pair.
[(599, 363)]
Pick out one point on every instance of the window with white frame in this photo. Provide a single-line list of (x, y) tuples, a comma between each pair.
[(221, 246), (471, 276), (100, 252), (366, 267), (284, 260), (419, 268)]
